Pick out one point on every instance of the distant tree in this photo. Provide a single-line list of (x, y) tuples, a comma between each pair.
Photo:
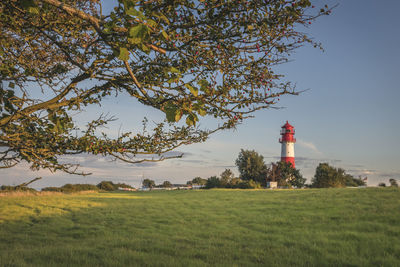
[(198, 181), (328, 176), (166, 184), (351, 181), (226, 177), (249, 184), (285, 175), (148, 183), (213, 182), (382, 184), (235, 183), (393, 182), (104, 185), (251, 166)]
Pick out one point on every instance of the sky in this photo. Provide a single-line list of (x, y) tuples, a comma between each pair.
[(348, 117)]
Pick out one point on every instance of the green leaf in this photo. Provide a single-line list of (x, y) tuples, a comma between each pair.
[(174, 70), (165, 35), (139, 31), (134, 40), (170, 112), (123, 54), (145, 48), (33, 10), (190, 121), (192, 89), (133, 12), (202, 112)]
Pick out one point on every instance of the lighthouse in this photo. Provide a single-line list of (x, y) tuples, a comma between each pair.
[(287, 140)]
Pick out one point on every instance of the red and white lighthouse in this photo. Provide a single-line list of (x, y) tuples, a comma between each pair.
[(287, 140)]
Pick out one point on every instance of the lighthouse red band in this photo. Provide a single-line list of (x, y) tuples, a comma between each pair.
[(287, 140)]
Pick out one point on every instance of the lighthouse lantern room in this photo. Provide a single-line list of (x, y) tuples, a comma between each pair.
[(287, 140)]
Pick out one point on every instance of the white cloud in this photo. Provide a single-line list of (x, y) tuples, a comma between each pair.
[(308, 145)]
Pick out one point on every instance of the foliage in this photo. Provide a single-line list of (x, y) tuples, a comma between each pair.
[(248, 184), (166, 184), (285, 175), (148, 183), (382, 184), (393, 182), (197, 181), (351, 181), (10, 188), (226, 177), (185, 59), (213, 182), (327, 176), (251, 166), (106, 186), (69, 188)]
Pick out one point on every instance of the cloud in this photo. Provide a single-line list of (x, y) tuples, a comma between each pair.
[(308, 145)]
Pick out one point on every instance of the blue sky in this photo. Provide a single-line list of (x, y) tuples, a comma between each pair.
[(349, 117)]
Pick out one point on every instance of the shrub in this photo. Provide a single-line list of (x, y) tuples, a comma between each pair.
[(70, 188), (10, 188), (107, 186)]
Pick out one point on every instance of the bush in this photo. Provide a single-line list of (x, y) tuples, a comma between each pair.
[(107, 186), (213, 182), (327, 176), (249, 184), (70, 188), (10, 188)]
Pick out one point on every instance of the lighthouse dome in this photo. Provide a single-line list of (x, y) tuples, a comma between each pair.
[(287, 125)]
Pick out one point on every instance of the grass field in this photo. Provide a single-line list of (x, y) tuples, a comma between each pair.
[(326, 227)]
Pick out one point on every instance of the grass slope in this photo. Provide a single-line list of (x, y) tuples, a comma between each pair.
[(326, 227)]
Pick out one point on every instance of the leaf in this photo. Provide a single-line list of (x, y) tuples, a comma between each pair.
[(138, 31), (178, 115), (145, 48), (192, 89), (11, 85), (123, 54), (134, 40), (174, 70), (133, 12), (189, 120), (165, 35), (202, 112), (170, 112)]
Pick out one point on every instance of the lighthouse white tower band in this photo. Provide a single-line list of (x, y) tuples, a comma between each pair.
[(287, 140)]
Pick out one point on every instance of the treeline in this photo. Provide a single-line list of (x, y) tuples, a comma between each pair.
[(254, 173), (104, 186)]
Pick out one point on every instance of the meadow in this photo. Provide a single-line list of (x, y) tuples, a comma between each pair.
[(313, 227)]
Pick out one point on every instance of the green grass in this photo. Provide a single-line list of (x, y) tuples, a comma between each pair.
[(326, 227)]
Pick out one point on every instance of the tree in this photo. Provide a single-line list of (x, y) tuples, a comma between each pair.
[(104, 185), (285, 175), (186, 59), (213, 182), (197, 181), (327, 176), (226, 177), (148, 183), (393, 182), (251, 166), (166, 184)]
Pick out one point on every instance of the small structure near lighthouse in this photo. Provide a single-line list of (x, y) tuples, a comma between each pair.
[(287, 140)]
